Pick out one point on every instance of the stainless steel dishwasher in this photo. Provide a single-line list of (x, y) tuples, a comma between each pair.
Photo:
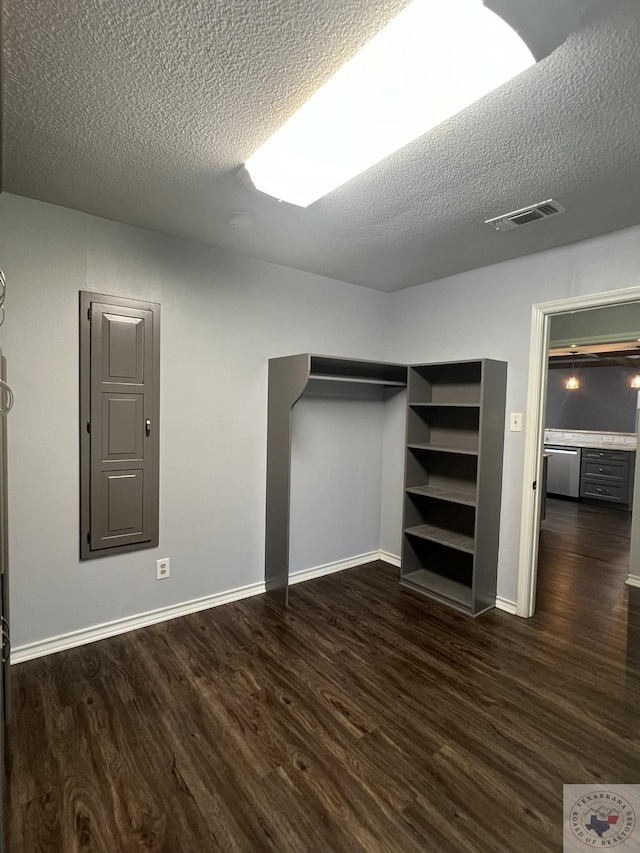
[(563, 471)]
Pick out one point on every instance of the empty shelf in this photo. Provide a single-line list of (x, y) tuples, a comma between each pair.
[(444, 405), (460, 541), (445, 448), (440, 587), (355, 370), (456, 494)]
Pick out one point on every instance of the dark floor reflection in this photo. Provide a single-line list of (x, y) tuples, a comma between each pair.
[(582, 595), (632, 692)]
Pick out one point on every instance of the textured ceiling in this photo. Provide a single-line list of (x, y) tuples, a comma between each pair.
[(143, 113)]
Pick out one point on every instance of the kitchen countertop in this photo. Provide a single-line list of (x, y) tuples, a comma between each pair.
[(587, 438)]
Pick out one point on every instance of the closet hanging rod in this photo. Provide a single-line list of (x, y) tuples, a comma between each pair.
[(360, 380)]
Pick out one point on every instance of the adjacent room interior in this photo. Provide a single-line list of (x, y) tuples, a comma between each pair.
[(300, 622), (591, 413)]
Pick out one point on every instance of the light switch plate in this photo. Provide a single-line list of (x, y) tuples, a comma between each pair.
[(516, 422)]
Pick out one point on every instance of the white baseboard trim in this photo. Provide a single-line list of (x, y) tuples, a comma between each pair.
[(506, 605), (329, 568), (386, 557), (39, 649), (633, 580), (129, 623)]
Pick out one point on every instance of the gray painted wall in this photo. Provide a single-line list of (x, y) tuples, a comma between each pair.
[(336, 479), (487, 312), (594, 325), (223, 317), (604, 400)]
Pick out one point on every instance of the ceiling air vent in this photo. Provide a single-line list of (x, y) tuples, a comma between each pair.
[(517, 218)]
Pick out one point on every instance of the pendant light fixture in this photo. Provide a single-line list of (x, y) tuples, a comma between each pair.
[(572, 383)]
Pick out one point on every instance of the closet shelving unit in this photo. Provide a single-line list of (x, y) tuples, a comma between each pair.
[(289, 376), (453, 480)]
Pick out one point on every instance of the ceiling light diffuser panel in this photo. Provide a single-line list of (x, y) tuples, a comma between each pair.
[(431, 61)]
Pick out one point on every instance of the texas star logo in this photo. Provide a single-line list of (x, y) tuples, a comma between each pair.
[(602, 819)]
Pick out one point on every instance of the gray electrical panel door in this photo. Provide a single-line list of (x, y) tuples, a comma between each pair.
[(119, 398)]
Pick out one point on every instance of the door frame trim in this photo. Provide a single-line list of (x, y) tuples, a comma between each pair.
[(534, 437)]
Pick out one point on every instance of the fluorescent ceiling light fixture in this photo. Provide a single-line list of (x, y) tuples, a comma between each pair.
[(431, 61)]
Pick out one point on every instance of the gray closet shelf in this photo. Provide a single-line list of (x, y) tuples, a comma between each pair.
[(433, 584), (455, 494), (453, 480), (444, 405), (443, 536), (354, 370), (444, 448), (453, 474)]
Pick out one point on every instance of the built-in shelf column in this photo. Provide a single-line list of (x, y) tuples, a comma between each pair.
[(288, 379), (453, 480)]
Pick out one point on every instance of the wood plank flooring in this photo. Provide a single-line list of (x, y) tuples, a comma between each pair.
[(364, 718)]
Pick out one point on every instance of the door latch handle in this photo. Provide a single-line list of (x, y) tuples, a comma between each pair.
[(147, 427), (4, 410)]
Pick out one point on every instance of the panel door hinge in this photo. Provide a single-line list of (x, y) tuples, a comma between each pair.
[(88, 539), (535, 485), (89, 313), (89, 427)]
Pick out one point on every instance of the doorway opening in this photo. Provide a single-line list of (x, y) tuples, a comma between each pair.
[(534, 443)]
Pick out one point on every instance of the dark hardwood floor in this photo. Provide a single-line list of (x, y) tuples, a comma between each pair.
[(364, 718)]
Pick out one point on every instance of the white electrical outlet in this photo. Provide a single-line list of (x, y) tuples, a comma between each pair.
[(163, 569), (516, 421)]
